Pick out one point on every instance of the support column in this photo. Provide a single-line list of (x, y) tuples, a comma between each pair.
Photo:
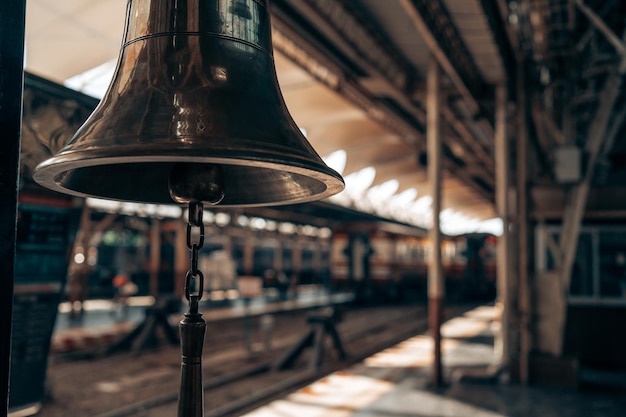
[(248, 253), (278, 256), (181, 257), (435, 275), (12, 14), (79, 272), (296, 264), (503, 257), (155, 256), (522, 213)]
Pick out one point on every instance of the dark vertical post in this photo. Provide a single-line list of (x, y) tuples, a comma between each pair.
[(435, 273), (522, 210), (155, 256), (503, 254), (12, 15), (181, 258)]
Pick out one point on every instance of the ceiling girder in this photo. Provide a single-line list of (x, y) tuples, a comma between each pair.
[(438, 30), (386, 69), (599, 24), (543, 141), (289, 42), (602, 166), (461, 130), (365, 46), (502, 37), (595, 146), (367, 50)]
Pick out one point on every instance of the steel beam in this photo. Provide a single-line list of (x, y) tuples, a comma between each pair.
[(603, 169), (288, 41), (362, 45), (435, 270), (468, 138), (594, 147), (588, 35), (597, 21), (12, 18), (502, 38), (544, 140), (433, 22), (367, 47)]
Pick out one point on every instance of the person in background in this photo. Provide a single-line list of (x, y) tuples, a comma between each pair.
[(124, 288)]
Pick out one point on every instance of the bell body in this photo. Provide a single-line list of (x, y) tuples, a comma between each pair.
[(191, 397), (195, 83)]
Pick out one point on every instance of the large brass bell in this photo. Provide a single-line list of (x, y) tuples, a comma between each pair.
[(193, 115), (194, 108)]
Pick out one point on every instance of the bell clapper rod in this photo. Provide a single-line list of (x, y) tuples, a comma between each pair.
[(194, 184), (192, 327)]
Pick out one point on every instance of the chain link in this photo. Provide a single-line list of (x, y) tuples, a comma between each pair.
[(195, 221)]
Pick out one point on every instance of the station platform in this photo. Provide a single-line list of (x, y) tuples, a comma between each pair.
[(103, 321), (395, 383)]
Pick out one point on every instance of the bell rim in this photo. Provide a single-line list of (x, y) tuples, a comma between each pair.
[(47, 172)]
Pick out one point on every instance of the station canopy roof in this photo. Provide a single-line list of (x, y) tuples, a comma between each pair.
[(353, 76)]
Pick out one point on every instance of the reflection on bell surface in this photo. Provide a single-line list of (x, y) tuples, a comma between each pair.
[(195, 84)]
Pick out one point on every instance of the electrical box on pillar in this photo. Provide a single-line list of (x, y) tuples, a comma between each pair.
[(568, 164), (193, 115)]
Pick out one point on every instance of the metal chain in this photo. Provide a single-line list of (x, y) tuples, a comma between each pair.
[(195, 220)]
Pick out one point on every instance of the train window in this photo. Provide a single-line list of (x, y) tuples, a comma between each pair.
[(382, 250), (307, 258)]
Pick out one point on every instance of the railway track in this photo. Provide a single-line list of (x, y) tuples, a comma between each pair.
[(234, 379)]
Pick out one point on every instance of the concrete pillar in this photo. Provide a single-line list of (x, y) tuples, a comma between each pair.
[(435, 271)]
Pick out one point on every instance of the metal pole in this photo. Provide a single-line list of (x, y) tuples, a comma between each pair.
[(503, 257), (246, 324), (248, 253), (155, 256), (180, 258), (77, 271), (12, 15), (522, 210), (435, 276), (597, 21)]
